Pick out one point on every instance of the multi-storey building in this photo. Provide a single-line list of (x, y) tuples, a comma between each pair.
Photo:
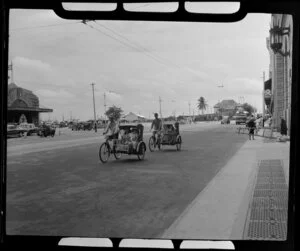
[(280, 48)]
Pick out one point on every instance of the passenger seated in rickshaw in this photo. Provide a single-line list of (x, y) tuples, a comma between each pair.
[(169, 129)]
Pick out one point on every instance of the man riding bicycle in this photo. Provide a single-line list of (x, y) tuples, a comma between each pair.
[(156, 126), (112, 129)]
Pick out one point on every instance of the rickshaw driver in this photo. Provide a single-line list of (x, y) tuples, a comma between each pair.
[(111, 131), (156, 123)]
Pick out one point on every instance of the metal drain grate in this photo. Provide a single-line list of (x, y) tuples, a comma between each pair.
[(264, 230), (271, 186), (272, 174), (267, 215), (260, 202), (269, 203), (270, 193), (270, 180), (258, 214)]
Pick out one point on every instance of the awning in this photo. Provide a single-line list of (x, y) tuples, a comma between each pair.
[(29, 109)]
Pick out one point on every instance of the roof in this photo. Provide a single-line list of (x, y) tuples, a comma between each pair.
[(30, 109), (226, 104), (132, 116), (12, 85)]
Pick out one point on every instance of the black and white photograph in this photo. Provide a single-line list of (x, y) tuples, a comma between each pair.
[(149, 129)]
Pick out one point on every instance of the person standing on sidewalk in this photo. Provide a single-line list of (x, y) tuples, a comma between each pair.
[(283, 127), (251, 126)]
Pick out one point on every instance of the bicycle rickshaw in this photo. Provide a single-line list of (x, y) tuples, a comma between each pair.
[(169, 135), (128, 141)]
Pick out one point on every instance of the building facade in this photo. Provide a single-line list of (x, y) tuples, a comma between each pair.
[(280, 73), (23, 106), (226, 107)]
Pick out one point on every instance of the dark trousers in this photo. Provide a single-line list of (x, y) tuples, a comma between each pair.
[(251, 133)]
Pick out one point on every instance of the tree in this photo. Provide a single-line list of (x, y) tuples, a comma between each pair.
[(249, 108), (115, 112), (202, 104)]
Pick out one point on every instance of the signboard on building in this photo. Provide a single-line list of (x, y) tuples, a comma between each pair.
[(268, 91)]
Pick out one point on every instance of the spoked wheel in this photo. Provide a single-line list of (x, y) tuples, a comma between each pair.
[(141, 153), (117, 155), (178, 144), (151, 144), (104, 152)]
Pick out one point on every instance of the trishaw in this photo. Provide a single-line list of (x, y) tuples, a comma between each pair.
[(129, 140), (169, 135)]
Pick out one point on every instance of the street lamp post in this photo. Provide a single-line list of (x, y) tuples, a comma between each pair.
[(95, 125), (276, 37)]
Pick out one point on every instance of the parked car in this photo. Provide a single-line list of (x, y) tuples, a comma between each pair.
[(14, 131), (225, 120), (88, 125), (45, 131), (29, 128)]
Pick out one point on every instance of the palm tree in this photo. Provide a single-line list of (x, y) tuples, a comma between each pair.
[(202, 104)]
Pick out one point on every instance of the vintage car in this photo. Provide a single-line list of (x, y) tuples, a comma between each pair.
[(169, 135), (14, 131), (129, 140), (29, 128), (46, 130)]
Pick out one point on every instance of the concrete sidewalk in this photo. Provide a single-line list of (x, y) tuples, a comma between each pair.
[(220, 210)]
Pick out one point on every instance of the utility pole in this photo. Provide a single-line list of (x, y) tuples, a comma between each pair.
[(104, 105), (95, 125), (159, 100), (221, 86)]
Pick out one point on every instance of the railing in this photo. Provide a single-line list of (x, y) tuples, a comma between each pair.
[(267, 132)]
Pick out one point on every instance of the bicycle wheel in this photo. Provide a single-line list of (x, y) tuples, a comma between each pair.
[(141, 152), (151, 144), (117, 155), (178, 144), (104, 152)]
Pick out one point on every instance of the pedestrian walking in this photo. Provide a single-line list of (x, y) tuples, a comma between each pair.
[(251, 126), (283, 127)]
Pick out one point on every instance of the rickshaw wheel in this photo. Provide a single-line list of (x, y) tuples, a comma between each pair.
[(178, 144), (104, 152), (141, 152), (116, 154), (151, 144)]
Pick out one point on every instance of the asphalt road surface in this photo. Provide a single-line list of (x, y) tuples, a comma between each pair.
[(63, 189)]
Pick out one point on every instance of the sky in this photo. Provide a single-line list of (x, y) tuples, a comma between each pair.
[(135, 63)]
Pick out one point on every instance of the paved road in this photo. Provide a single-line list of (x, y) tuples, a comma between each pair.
[(67, 191)]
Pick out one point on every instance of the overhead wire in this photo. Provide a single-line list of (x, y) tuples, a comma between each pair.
[(126, 44), (42, 26), (139, 46)]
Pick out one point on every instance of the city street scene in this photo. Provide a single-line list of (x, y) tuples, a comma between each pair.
[(148, 129)]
